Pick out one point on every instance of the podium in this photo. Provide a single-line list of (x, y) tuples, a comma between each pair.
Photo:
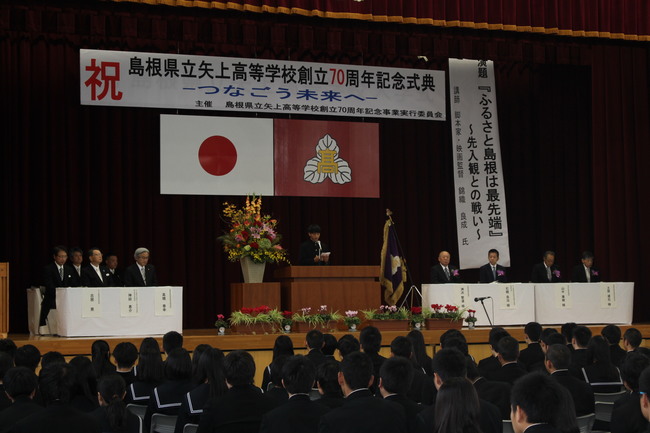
[(341, 288)]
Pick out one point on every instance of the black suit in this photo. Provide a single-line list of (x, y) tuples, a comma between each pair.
[(76, 276), (51, 280), (422, 389), (101, 416), (542, 428), (580, 276), (192, 406), (578, 360), (411, 410), (309, 250), (617, 354), (316, 356), (332, 400), (532, 357), (239, 410), (118, 280), (539, 274), (603, 378), (487, 276), (133, 277), (487, 366), (21, 408), (298, 414), (508, 373), (89, 277), (363, 413), (497, 393), (166, 399), (581, 392), (438, 275), (489, 419), (57, 418), (627, 416)]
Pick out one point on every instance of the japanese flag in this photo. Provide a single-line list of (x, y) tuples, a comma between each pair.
[(204, 155)]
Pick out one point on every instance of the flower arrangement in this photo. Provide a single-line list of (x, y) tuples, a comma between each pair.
[(386, 312), (319, 318), (351, 318), (252, 316), (221, 322), (450, 312), (471, 316), (286, 319), (417, 315), (252, 234)]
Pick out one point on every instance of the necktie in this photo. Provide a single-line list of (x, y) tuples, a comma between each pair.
[(144, 279), (447, 273), (548, 274), (494, 272), (99, 272), (588, 274), (61, 273)]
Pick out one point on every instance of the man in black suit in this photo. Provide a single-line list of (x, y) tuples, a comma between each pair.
[(242, 407), (422, 389), (141, 273), (492, 271), (96, 274), (557, 362), (55, 274), (370, 339), (585, 272), (313, 252), (532, 357), (632, 339), (76, 258), (612, 334), (540, 405), (497, 393), (394, 384), (487, 366), (116, 274), (547, 271), (327, 381), (55, 384), (361, 412), (626, 414), (20, 385), (314, 342), (579, 358), (448, 363), (299, 413), (443, 272), (507, 354)]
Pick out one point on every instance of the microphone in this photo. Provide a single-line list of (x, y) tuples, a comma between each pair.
[(483, 298)]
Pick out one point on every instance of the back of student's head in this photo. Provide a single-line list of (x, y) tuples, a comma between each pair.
[(85, 381), (555, 338), (401, 346), (348, 344), (330, 344), (582, 334), (178, 365), (567, 330), (396, 375), (27, 356), (171, 341), (419, 349), (612, 334), (357, 370), (449, 363), (282, 346), (633, 337), (546, 334), (496, 334), (458, 344), (150, 363), (275, 369), (20, 382), (370, 339), (6, 362), (125, 354), (198, 351), (210, 369), (314, 339), (455, 334), (632, 367), (298, 375), (52, 357), (55, 382), (327, 376), (457, 407), (559, 355), (533, 330), (239, 368), (101, 357), (508, 348), (8, 346), (112, 388), (598, 350)]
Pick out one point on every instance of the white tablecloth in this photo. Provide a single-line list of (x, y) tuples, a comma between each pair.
[(117, 311), (584, 303), (510, 304)]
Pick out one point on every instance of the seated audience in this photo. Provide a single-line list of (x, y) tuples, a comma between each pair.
[(361, 412), (276, 391), (550, 336), (6, 362), (20, 384), (540, 405), (52, 357), (242, 407), (626, 414), (644, 390), (532, 357), (141, 273), (600, 373), (112, 415), (497, 393), (507, 354), (83, 394), (149, 373), (95, 274), (457, 407), (299, 413), (422, 387), (420, 356), (567, 331), (580, 340), (557, 362), (76, 260), (612, 334), (172, 340), (547, 271), (314, 342), (110, 261), (27, 356), (199, 350), (282, 346), (125, 354), (348, 344), (327, 381), (632, 339), (370, 340), (585, 271), (329, 346), (489, 365), (101, 358), (394, 384)]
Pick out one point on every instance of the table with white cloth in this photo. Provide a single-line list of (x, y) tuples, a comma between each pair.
[(584, 303), (119, 311), (507, 304)]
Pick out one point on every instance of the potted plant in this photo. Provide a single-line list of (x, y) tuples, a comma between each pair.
[(252, 239), (287, 321), (260, 319), (444, 317), (322, 319), (221, 324), (352, 320), (417, 318), (471, 319), (388, 318)]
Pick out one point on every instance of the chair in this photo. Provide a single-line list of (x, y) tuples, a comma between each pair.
[(163, 423), (137, 409), (190, 428), (605, 404), (507, 426), (586, 422)]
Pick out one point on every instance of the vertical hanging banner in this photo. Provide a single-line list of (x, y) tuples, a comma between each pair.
[(481, 218)]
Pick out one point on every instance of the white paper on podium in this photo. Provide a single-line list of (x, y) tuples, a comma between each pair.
[(462, 296), (607, 295), (129, 302), (563, 297), (508, 297), (163, 304), (91, 303)]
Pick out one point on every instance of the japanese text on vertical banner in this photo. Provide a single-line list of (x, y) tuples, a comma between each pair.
[(134, 79), (478, 176)]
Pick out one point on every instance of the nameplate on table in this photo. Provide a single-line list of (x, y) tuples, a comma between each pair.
[(129, 302), (91, 303), (607, 295), (563, 297), (462, 295), (508, 297), (163, 305)]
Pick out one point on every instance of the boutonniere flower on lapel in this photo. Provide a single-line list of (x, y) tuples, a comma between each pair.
[(594, 273), (501, 273), (455, 273), (556, 273)]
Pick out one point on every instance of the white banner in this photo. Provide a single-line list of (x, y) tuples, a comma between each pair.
[(480, 194), (134, 79)]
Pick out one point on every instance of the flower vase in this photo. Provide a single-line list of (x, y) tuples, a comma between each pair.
[(471, 325), (418, 326), (352, 327), (253, 272), (287, 329), (221, 331)]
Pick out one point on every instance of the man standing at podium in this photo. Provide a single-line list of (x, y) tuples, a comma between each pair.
[(313, 252)]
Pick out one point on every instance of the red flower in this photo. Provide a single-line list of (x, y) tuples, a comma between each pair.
[(220, 317), (436, 307), (247, 310), (287, 314), (254, 245), (245, 235), (416, 310)]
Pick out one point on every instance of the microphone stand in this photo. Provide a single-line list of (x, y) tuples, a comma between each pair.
[(485, 309), (413, 289)]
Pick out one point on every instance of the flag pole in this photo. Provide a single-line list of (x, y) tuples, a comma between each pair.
[(413, 289)]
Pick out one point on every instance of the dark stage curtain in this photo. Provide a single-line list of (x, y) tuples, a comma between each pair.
[(573, 116)]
